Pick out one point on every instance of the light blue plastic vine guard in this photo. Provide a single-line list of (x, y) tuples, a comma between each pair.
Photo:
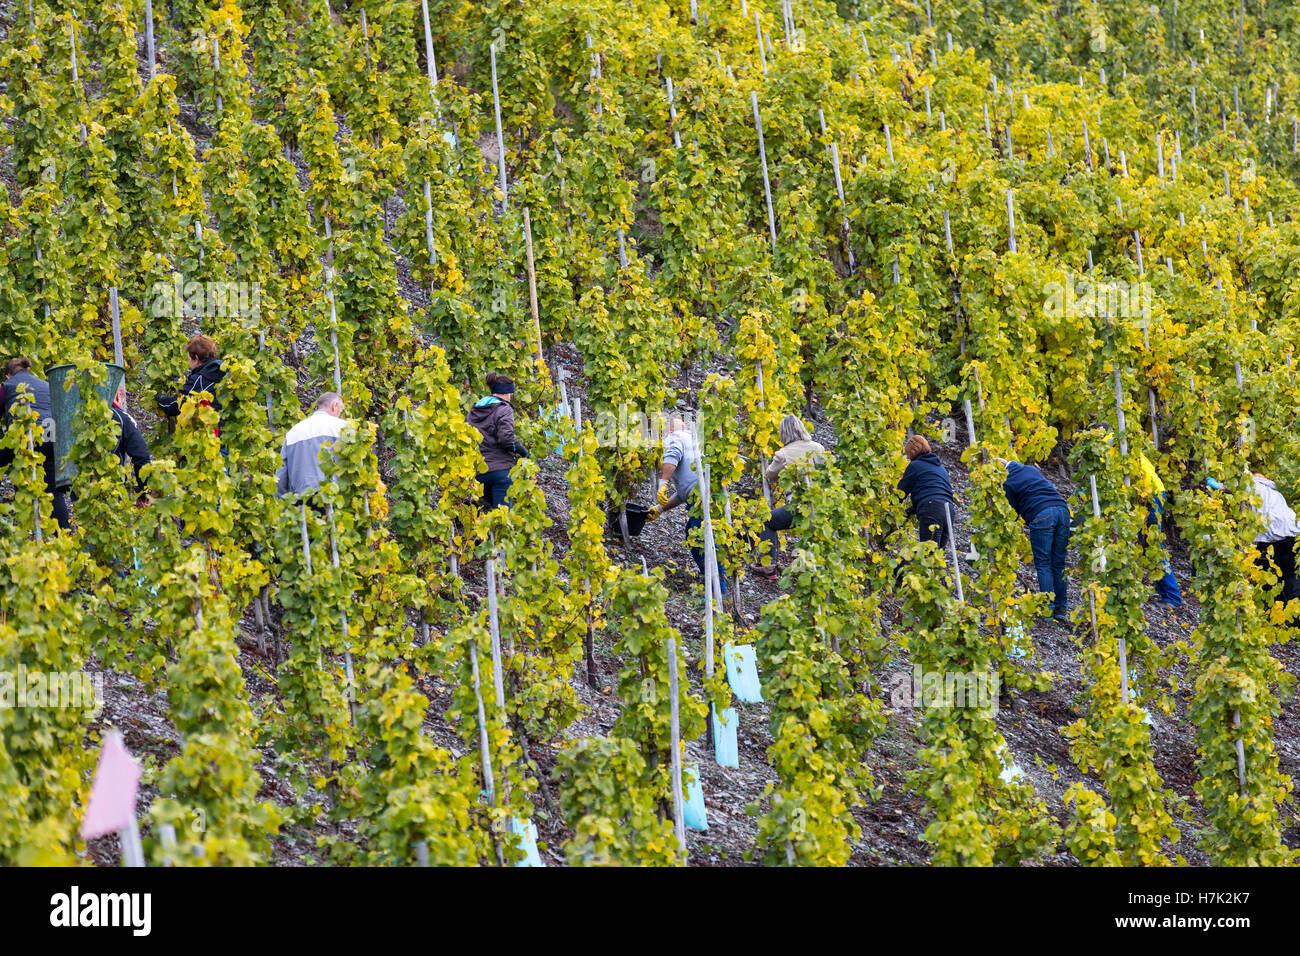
[(725, 748), (551, 432), (742, 672), (526, 830), (693, 813), (135, 560)]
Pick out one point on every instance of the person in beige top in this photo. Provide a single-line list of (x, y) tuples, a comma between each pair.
[(796, 443), (791, 450)]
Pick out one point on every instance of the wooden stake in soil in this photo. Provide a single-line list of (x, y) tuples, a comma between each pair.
[(762, 456), (762, 155), (36, 503), (334, 333), (532, 286), (216, 73), (347, 649), (430, 64), (115, 314), (1144, 306), (496, 106), (485, 753), (72, 30), (1011, 223), (839, 191), (679, 824), (428, 230), (952, 545), (148, 37), (1101, 557), (672, 114), (498, 681)]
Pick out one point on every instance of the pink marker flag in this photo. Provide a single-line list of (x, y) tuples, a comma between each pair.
[(112, 796)]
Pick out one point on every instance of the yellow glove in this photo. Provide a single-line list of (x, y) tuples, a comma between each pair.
[(663, 494), (653, 513)]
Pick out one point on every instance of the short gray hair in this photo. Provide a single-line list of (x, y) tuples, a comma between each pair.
[(326, 399), (793, 430)]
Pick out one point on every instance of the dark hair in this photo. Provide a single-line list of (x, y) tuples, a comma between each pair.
[(202, 348), (16, 365), (499, 384)]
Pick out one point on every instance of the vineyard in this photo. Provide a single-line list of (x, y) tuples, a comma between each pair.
[(1056, 233)]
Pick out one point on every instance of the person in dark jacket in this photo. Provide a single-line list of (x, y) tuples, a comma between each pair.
[(204, 375), (1047, 514), (22, 386), (929, 491), (494, 417), (130, 440)]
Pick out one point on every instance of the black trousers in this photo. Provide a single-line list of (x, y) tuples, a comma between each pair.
[(1278, 557), (60, 501), (932, 525), (61, 514), (932, 517), (781, 520)]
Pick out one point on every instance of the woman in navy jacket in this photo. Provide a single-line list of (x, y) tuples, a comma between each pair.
[(926, 484)]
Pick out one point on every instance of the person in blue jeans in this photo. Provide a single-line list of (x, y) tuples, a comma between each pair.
[(494, 417), (1047, 515), (680, 456), (1166, 587), (1152, 490)]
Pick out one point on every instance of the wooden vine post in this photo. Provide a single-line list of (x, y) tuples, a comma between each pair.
[(148, 38), (532, 288), (1143, 303), (762, 454), (334, 329), (1122, 643), (762, 155), (496, 107), (952, 547), (485, 752), (679, 824), (347, 647)]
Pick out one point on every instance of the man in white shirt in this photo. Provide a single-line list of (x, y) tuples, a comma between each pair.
[(301, 472), (1276, 543)]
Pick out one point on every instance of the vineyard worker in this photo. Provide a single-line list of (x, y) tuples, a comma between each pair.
[(494, 417), (204, 375), (796, 443), (929, 491), (21, 385), (300, 472), (130, 440), (1047, 514), (680, 455), (1152, 490), (1276, 543)]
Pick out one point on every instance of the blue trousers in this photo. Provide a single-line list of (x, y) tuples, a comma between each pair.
[(1167, 586), (695, 520), (495, 486), (1049, 536)]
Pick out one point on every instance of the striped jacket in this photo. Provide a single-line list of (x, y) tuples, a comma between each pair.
[(301, 471)]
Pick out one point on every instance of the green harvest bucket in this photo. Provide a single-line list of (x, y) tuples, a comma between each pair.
[(65, 405)]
